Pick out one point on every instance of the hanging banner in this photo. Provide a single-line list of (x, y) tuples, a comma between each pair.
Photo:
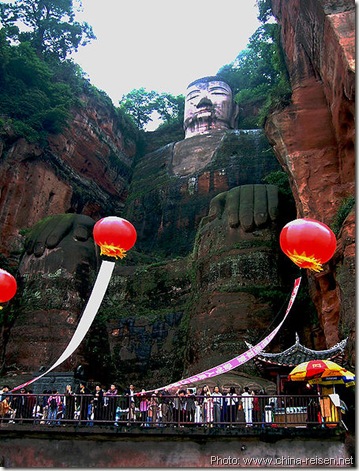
[(89, 314), (240, 359)]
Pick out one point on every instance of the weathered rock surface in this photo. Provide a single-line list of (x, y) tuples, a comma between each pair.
[(313, 138), (56, 275), (84, 170)]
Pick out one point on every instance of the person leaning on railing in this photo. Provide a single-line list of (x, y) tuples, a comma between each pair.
[(231, 400), (83, 401), (111, 395), (69, 403)]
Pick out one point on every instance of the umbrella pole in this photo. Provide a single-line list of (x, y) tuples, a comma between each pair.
[(320, 408)]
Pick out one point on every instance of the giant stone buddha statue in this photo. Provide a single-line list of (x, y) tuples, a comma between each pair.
[(209, 106)]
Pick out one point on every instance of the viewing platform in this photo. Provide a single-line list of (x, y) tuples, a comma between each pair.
[(163, 414), (293, 429)]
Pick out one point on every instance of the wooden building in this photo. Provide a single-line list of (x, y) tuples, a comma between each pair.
[(277, 366)]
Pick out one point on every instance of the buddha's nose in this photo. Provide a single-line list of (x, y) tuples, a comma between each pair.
[(204, 102)]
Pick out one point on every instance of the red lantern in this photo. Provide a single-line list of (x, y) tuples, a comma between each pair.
[(8, 286), (115, 236), (308, 243)]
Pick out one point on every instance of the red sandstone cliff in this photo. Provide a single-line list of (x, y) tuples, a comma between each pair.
[(84, 170), (313, 139)]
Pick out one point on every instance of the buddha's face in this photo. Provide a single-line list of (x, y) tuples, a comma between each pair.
[(208, 106)]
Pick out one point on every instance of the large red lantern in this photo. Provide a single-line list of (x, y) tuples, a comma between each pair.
[(8, 286), (308, 243), (115, 236)]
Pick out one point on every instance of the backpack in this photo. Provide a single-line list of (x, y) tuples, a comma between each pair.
[(53, 403)]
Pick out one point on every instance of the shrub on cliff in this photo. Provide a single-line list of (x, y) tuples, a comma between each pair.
[(38, 85), (258, 76), (32, 102), (346, 206)]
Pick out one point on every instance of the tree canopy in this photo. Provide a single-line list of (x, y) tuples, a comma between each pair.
[(48, 25), (38, 84), (33, 101), (258, 76), (140, 104)]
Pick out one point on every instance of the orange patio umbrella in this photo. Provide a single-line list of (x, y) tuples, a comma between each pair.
[(323, 372)]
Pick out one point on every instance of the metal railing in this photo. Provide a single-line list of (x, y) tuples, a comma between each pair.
[(157, 410)]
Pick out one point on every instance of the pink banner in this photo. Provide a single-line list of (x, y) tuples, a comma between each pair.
[(243, 357), (93, 304)]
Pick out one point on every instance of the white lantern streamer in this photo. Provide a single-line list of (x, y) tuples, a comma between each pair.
[(89, 314)]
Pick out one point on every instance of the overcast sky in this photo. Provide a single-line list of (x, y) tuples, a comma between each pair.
[(162, 45)]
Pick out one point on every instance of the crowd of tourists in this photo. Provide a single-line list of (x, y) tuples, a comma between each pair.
[(203, 406)]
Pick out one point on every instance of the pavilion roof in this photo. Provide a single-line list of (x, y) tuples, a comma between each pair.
[(298, 353)]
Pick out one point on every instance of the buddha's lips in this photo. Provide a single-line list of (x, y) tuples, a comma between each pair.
[(202, 113)]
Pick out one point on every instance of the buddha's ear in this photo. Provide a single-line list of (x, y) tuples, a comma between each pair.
[(234, 117)]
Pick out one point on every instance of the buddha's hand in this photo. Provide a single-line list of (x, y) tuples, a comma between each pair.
[(247, 206), (57, 230)]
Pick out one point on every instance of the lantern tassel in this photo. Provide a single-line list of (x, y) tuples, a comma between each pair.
[(303, 261), (112, 251)]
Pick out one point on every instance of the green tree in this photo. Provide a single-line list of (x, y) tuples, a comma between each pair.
[(259, 75), (140, 104), (48, 25), (170, 108), (265, 10), (31, 101)]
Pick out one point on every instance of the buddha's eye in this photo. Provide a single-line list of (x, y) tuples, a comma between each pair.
[(218, 91), (192, 95)]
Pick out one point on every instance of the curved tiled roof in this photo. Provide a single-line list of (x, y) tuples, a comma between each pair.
[(298, 353)]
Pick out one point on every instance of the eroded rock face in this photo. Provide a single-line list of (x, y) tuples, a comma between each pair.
[(56, 275), (144, 320), (313, 138), (146, 323), (84, 170)]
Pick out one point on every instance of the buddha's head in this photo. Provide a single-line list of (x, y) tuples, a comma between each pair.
[(209, 106)]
